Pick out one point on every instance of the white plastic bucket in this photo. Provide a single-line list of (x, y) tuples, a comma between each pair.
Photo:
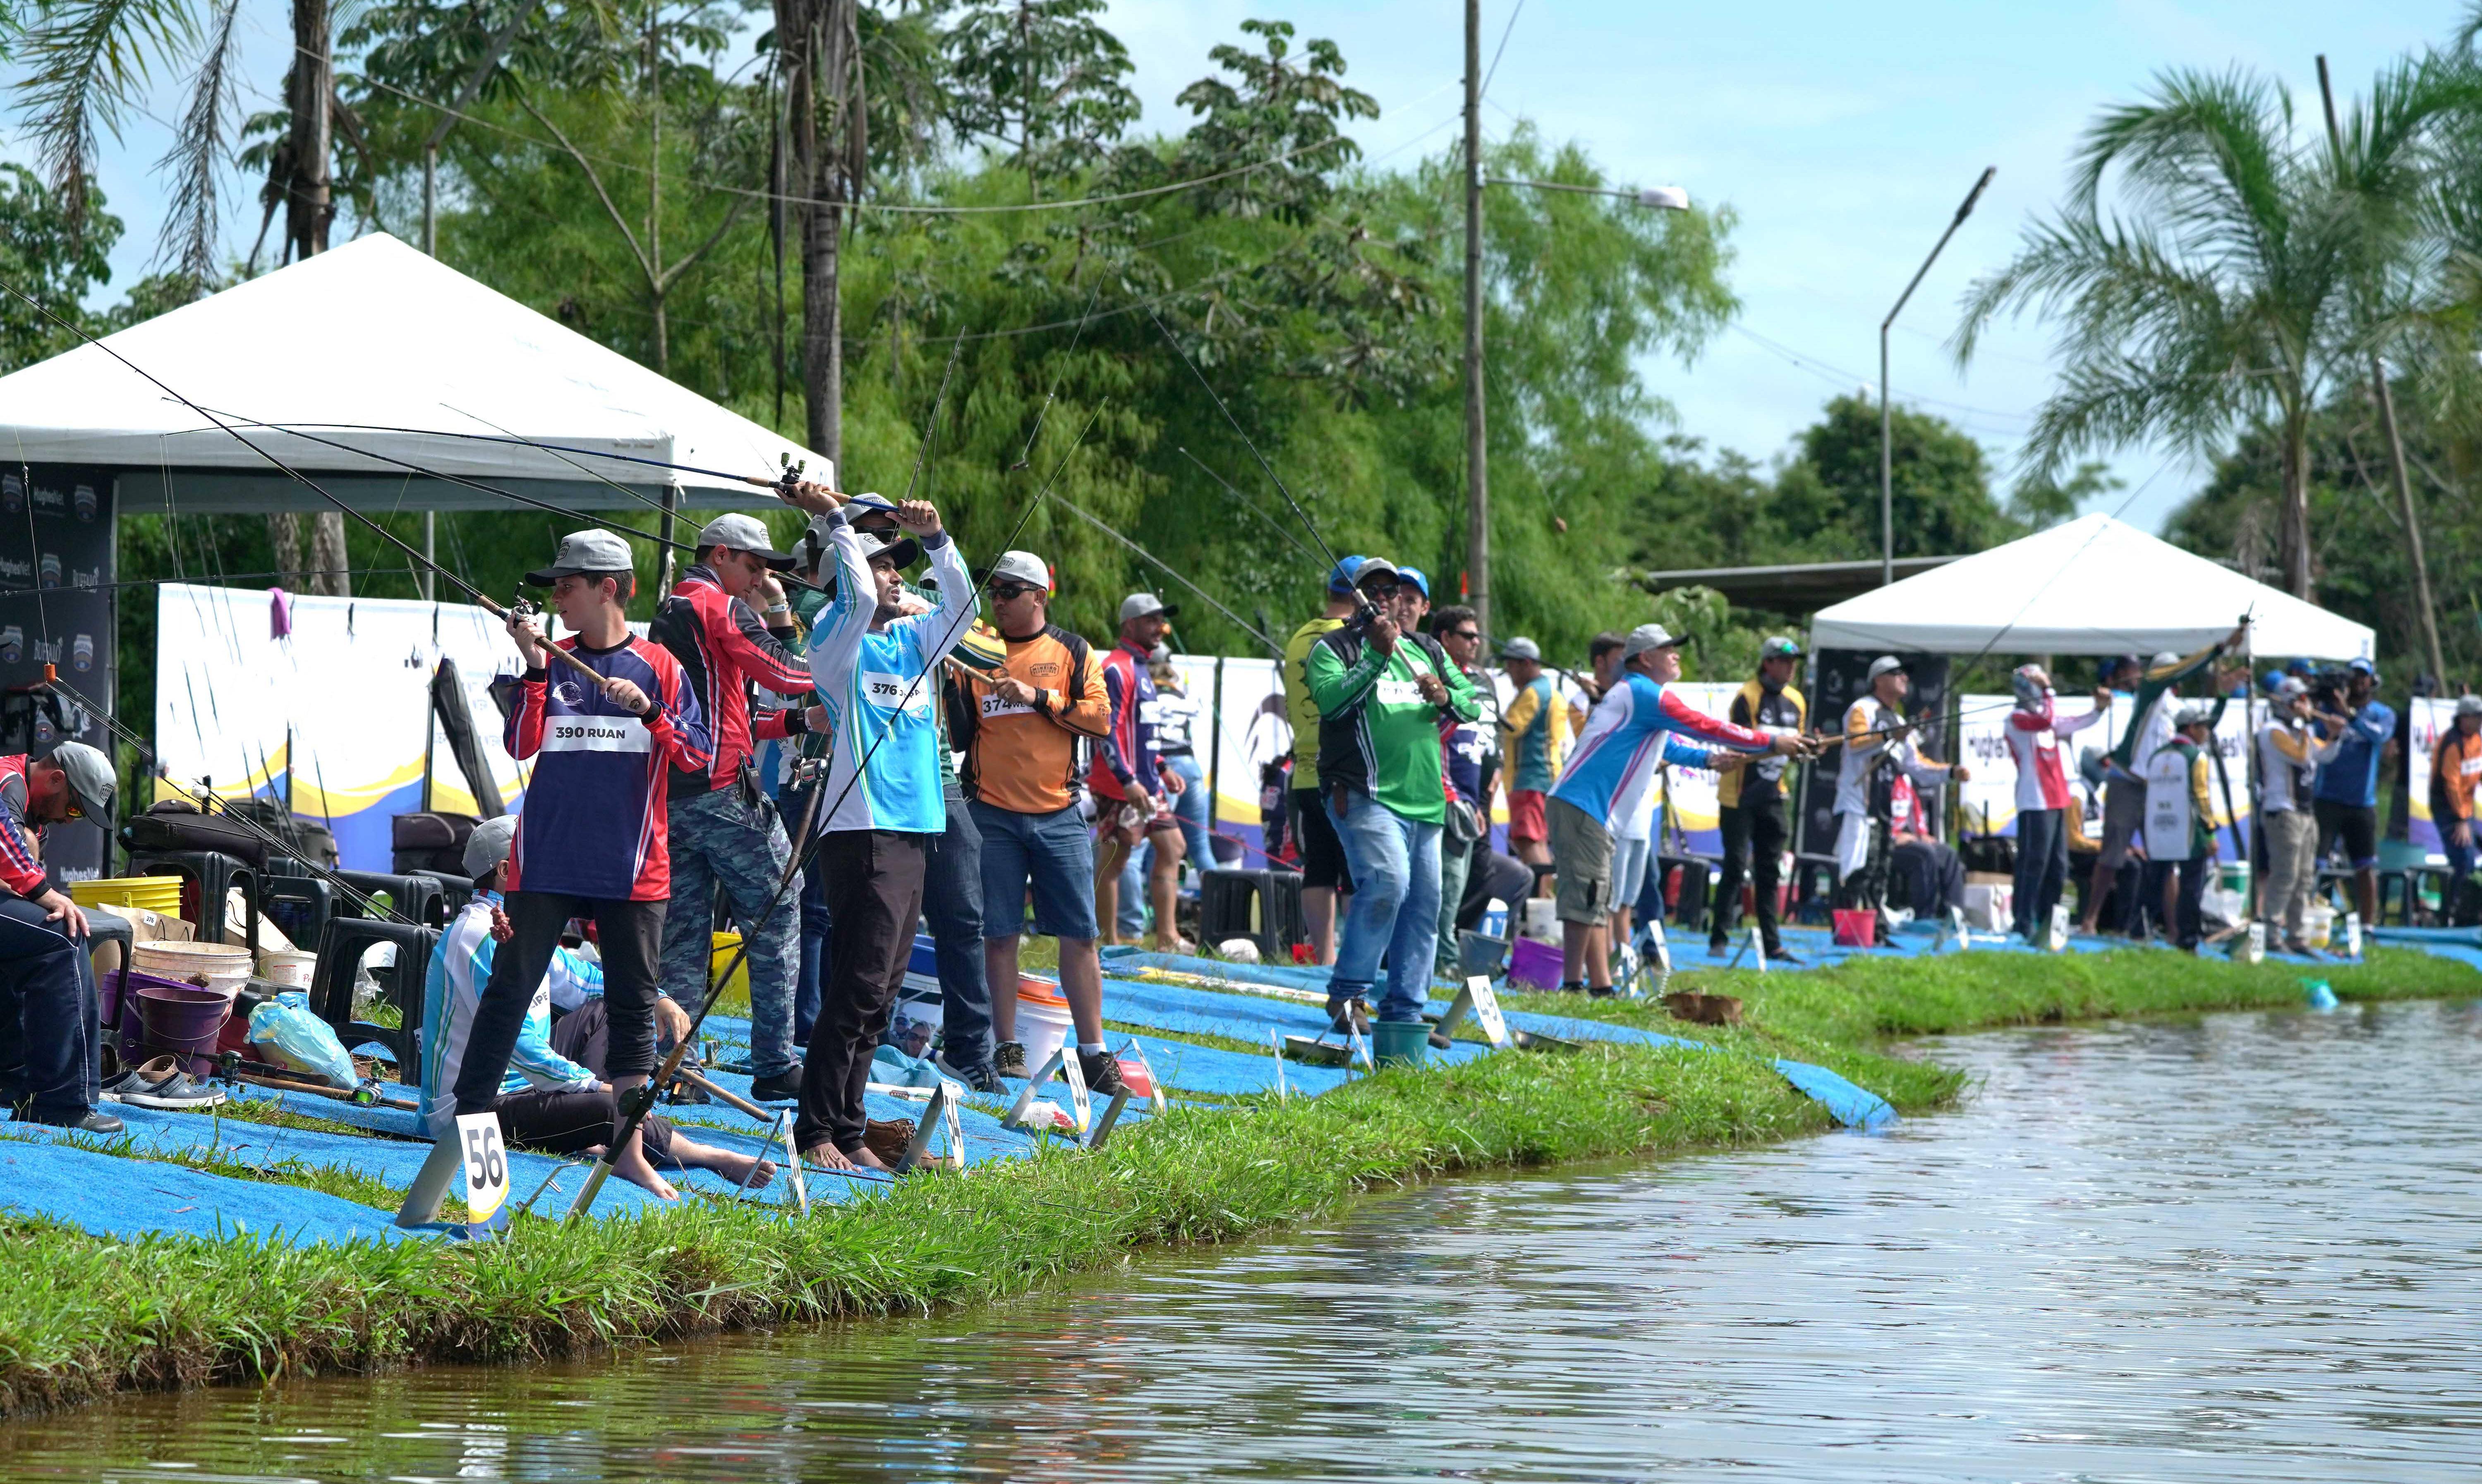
[(1042, 1022), (1542, 920), (2318, 924), (292, 968)]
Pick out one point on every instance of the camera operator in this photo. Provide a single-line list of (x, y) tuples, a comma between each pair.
[(2288, 757), (2346, 798)]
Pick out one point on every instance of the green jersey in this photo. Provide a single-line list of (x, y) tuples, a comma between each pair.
[(1375, 732)]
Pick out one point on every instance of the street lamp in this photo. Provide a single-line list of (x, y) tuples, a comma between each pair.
[(1886, 459)]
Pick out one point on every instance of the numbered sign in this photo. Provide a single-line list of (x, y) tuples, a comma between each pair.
[(2060, 928), (1074, 1074), (1662, 947), (487, 1164), (2352, 935), (1357, 1049), (1276, 1039), (1758, 948), (1956, 924), (2253, 945), (1486, 1004)]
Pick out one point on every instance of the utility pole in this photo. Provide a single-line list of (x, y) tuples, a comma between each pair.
[(1886, 456), (1477, 471), (2387, 401)]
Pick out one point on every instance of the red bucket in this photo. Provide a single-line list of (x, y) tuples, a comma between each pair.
[(1857, 927)]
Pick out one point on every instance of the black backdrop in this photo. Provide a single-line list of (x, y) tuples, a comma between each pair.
[(1840, 677), (56, 571)]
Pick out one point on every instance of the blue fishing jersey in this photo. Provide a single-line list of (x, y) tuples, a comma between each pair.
[(594, 820), (881, 689)]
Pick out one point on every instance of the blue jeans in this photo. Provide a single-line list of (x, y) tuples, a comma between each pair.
[(51, 1045), (1395, 911), (952, 909), (792, 805), (1052, 854)]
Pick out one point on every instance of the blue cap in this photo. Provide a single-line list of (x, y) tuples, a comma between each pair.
[(2305, 664), (2363, 667), (2271, 681), (1413, 575), (1339, 577)]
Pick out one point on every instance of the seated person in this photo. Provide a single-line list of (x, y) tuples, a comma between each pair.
[(1932, 874), (546, 1103)]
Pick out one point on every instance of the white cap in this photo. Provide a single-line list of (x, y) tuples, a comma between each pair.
[(1644, 637), (1886, 664), (1021, 566)]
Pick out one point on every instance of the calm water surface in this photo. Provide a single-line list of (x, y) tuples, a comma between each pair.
[(2240, 1248)]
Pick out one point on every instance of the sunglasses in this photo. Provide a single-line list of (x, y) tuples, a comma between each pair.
[(1009, 592), (1470, 635)]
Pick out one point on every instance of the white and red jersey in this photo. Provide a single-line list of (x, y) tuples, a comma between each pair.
[(19, 871), (595, 822), (2034, 738)]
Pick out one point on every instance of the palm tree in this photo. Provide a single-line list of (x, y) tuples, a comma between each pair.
[(2245, 275)]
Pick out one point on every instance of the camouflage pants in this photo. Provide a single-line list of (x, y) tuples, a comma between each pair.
[(718, 838)]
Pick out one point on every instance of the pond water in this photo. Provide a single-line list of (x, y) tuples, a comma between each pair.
[(2240, 1247)]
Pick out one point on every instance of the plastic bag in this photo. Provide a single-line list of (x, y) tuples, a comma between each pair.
[(284, 1033), (895, 1068)]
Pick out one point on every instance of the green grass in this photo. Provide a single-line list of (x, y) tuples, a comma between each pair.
[(81, 1316)]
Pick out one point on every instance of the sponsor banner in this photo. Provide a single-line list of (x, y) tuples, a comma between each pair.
[(56, 609), (1988, 802)]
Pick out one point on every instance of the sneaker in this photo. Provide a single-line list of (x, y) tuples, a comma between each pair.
[(1102, 1074), (84, 1121), (1348, 1016), (1783, 955), (783, 1087), (1008, 1060), (1440, 1042), (981, 1079), (1717, 947), (176, 1092), (1575, 986), (1602, 991)]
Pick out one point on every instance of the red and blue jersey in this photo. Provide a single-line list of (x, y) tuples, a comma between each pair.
[(1627, 735), (1129, 752), (724, 651), (595, 823)]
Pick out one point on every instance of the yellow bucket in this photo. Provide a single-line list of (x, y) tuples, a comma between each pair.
[(725, 947), (155, 893)]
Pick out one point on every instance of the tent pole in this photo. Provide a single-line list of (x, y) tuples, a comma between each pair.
[(430, 550)]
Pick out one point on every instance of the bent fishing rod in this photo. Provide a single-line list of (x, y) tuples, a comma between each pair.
[(641, 1101)]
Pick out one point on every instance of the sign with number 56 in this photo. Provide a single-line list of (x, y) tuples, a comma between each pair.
[(487, 1164)]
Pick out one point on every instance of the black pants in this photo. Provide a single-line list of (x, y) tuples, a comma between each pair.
[(1933, 874), (952, 910), (559, 1122), (1754, 839), (51, 1047), (1493, 875), (630, 935), (2042, 870), (2188, 926), (873, 890)]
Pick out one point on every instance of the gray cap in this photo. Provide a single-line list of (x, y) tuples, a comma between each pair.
[(1137, 605), (2469, 705), (1522, 647), (900, 548), (744, 532), (869, 503), (1886, 664), (2290, 687), (585, 551), (2193, 716), (1023, 568), (1372, 567), (489, 845), (91, 785), (1644, 637)]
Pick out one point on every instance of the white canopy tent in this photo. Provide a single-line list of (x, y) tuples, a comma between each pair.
[(2092, 586), (397, 356)]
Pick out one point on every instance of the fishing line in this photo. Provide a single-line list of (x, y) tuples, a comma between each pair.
[(1369, 609), (1248, 504), (1082, 513)]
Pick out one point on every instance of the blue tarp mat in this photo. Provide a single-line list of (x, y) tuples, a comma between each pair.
[(129, 1199), (1855, 1107)]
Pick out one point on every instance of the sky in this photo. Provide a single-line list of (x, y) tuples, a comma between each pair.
[(1842, 136)]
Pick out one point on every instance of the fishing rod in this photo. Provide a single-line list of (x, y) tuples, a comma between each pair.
[(641, 1101), (503, 437), (1082, 513), (1369, 610), (1246, 503)]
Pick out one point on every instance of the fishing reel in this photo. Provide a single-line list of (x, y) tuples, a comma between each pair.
[(788, 475)]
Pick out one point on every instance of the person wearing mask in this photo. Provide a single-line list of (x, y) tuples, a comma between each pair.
[(1324, 875), (2155, 703), (2289, 751), (723, 830), (1534, 739), (1020, 728), (595, 838), (2034, 732), (1639, 721), (1751, 799), (546, 1102), (1470, 757), (1131, 788), (1382, 692), (875, 668), (54, 1071), (2347, 796), (2455, 775), (2181, 822), (1878, 751)]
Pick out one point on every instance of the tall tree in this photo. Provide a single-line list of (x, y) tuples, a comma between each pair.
[(2224, 300), (1043, 75)]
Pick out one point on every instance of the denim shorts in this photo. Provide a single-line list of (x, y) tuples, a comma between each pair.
[(1053, 854)]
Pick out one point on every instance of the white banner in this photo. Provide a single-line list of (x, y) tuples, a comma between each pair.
[(1250, 730), (1989, 800), (2431, 716), (333, 719)]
